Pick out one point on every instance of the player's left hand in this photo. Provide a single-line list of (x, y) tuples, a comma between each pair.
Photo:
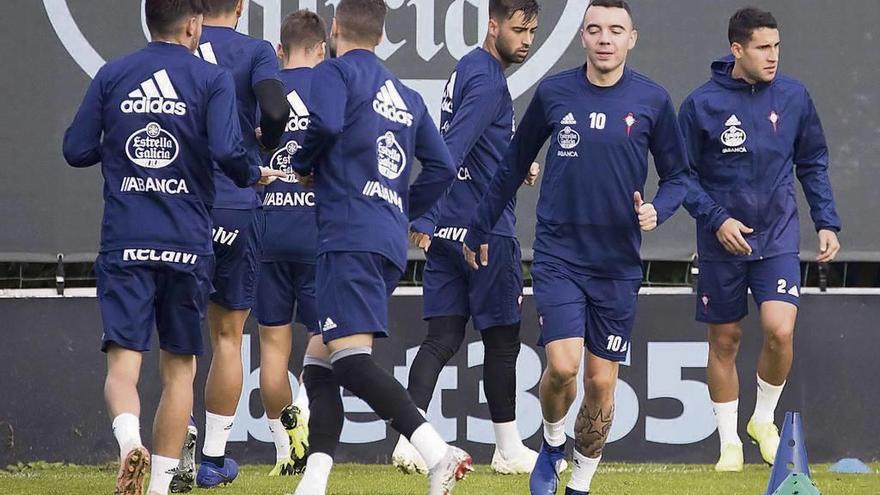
[(421, 240), (646, 212), (471, 257), (268, 176), (534, 171), (829, 246)]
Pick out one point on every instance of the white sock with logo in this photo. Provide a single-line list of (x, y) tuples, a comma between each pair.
[(507, 438), (768, 398), (554, 433), (582, 471), (314, 481), (280, 438), (127, 430), (726, 414), (161, 472), (217, 430), (429, 443)]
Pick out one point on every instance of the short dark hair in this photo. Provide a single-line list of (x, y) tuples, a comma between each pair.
[(219, 6), (745, 21), (613, 4), (505, 9), (163, 16), (362, 21), (303, 29)]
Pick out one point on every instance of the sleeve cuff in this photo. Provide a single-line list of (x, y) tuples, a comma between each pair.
[(423, 225), (474, 239)]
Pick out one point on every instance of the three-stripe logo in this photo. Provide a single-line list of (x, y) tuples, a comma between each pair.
[(299, 113), (390, 104), (206, 52), (155, 95)]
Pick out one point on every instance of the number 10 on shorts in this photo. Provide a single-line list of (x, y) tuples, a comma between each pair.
[(617, 344)]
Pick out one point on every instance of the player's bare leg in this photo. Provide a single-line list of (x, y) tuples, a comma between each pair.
[(124, 406), (276, 343), (723, 383), (172, 418)]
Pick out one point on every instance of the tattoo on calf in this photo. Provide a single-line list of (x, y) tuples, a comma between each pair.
[(591, 429)]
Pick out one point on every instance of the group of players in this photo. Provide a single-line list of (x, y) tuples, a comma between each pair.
[(185, 234)]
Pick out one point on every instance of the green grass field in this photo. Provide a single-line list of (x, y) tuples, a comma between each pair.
[(613, 479)]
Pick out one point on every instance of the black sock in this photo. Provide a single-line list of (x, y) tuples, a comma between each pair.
[(499, 371), (381, 391), (445, 334), (217, 461), (325, 409)]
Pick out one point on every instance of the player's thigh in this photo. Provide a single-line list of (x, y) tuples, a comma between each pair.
[(559, 301), (722, 292), (181, 304), (306, 302), (353, 291), (276, 294), (445, 281), (126, 291), (238, 240), (495, 291), (776, 279), (611, 314)]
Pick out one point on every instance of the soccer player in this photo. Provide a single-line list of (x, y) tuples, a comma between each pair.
[(477, 122), (155, 120), (287, 274), (749, 131), (604, 118), (238, 224), (366, 129)]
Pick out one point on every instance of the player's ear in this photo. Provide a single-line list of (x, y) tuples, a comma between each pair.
[(633, 37), (239, 9), (494, 27), (279, 50), (334, 29), (322, 50), (737, 50)]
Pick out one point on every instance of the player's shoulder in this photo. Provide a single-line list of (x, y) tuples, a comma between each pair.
[(479, 64), (555, 83), (787, 83), (648, 86)]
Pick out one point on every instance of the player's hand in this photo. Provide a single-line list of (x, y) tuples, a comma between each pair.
[(268, 176), (259, 133), (471, 257), (534, 171), (307, 181), (421, 240), (646, 212), (730, 235), (829, 246)]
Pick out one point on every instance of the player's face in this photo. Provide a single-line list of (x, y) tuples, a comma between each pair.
[(759, 58), (514, 37), (607, 36)]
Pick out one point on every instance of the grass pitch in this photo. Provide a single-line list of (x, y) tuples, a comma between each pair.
[(612, 479)]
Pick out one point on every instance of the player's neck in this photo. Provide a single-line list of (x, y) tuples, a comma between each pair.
[(489, 46), (605, 79), (229, 20), (294, 62), (344, 46), (739, 73), (181, 40)]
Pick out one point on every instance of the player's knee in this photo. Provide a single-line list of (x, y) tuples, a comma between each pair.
[(779, 337), (600, 386), (562, 373), (724, 341)]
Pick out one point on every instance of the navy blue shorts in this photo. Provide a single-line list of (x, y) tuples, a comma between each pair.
[(138, 291), (492, 295), (353, 290), (722, 286), (238, 246), (283, 285), (602, 311)]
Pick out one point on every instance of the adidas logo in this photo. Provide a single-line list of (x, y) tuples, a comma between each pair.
[(155, 95), (390, 104), (299, 114), (329, 324), (569, 120), (206, 52), (448, 92), (732, 121)]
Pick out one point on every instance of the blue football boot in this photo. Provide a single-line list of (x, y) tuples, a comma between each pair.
[(545, 475), (211, 475)]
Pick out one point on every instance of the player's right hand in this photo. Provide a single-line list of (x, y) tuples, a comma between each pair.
[(471, 257), (268, 176), (534, 171), (730, 235), (307, 181), (422, 241)]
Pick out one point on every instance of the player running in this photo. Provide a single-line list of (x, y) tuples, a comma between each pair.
[(749, 131), (477, 122), (604, 118), (366, 130), (287, 272), (155, 120), (238, 224)]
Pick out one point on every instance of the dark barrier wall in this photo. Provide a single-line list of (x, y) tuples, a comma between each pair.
[(53, 46), (51, 404)]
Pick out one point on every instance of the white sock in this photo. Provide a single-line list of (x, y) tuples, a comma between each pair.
[(127, 430), (554, 433), (302, 399), (314, 481), (582, 472), (430, 445), (768, 397), (726, 414), (217, 430), (507, 437), (282, 441), (161, 472)]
